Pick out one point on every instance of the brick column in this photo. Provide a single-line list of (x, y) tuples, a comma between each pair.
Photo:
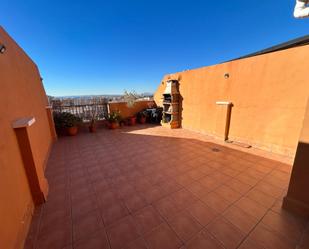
[(297, 198)]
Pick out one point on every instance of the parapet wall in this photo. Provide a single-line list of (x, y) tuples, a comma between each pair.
[(268, 93), (126, 111), (21, 95)]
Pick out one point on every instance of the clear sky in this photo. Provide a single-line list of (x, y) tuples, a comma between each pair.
[(103, 47)]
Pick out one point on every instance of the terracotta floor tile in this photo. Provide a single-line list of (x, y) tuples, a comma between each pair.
[(238, 186), (285, 225), (122, 232), (170, 186), (269, 239), (206, 170), (215, 165), (105, 175), (106, 198), (49, 222), (230, 172), (279, 183), (195, 174), (202, 213), (113, 213), (251, 207), (225, 232), (220, 177), (250, 244), (86, 225), (202, 241), (167, 207), (228, 194), (183, 198), (216, 202), (83, 206), (141, 184), (197, 189), (135, 202), (247, 179), (184, 225), (97, 240), (124, 190), (153, 194), (253, 172), (269, 189), (56, 238), (147, 219), (184, 179), (137, 244), (209, 182), (261, 198), (240, 219), (162, 237)]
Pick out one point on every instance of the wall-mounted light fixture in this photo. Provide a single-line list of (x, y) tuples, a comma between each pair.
[(226, 75), (2, 48)]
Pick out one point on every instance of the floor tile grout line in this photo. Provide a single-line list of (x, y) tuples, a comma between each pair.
[(162, 197)]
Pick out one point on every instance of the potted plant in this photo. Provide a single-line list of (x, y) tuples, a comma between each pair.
[(132, 120), (142, 117), (113, 119), (68, 122), (93, 116), (92, 126), (130, 98)]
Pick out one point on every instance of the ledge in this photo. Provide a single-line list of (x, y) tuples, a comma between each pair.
[(223, 103), (23, 122)]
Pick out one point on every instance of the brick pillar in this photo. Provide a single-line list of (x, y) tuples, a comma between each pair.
[(297, 198)]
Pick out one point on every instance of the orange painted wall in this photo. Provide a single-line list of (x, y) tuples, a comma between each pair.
[(268, 92), (21, 95), (126, 111)]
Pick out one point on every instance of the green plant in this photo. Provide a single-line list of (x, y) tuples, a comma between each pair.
[(130, 98), (94, 110), (142, 114), (114, 117), (164, 118), (66, 120)]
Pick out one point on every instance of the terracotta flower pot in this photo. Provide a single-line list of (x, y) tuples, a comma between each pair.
[(72, 131), (113, 125), (142, 120), (132, 120)]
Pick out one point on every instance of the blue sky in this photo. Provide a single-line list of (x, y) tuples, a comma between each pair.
[(104, 47)]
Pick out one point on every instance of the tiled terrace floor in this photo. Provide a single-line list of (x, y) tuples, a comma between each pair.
[(151, 187)]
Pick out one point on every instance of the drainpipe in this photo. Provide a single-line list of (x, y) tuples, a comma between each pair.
[(301, 9)]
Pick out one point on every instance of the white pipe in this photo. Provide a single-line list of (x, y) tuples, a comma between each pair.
[(301, 9)]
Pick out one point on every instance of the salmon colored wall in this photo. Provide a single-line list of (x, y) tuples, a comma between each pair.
[(21, 95), (126, 111), (268, 92), (297, 198)]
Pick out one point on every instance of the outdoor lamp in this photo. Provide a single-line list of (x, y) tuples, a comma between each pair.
[(2, 48), (227, 75)]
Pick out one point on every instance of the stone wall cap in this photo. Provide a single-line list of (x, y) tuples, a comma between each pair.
[(223, 103), (23, 122)]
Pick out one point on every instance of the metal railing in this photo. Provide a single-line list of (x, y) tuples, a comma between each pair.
[(85, 109)]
